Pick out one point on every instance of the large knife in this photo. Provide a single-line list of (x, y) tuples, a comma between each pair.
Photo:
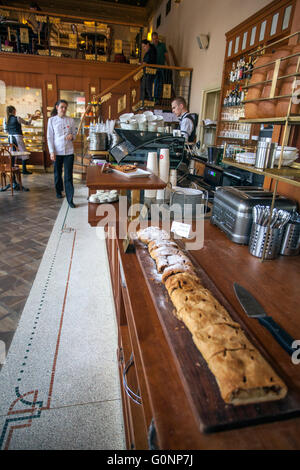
[(254, 310)]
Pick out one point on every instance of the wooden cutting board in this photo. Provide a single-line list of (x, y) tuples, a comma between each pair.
[(212, 413)]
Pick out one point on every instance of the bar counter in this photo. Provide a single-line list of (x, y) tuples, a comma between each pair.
[(274, 283), (158, 412)]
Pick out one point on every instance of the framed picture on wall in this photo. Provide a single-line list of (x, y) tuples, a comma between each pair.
[(24, 36)]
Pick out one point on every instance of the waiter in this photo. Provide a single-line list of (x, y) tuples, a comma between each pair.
[(187, 122), (60, 136)]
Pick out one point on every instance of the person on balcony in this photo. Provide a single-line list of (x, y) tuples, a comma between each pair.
[(162, 75), (150, 57), (61, 133)]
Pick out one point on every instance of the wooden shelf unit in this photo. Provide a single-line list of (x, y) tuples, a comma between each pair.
[(244, 40)]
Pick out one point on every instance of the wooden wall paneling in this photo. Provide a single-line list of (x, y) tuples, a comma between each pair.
[(21, 79), (89, 84), (69, 82), (60, 66), (295, 22)]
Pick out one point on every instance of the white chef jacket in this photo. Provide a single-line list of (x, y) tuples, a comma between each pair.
[(186, 126), (58, 129)]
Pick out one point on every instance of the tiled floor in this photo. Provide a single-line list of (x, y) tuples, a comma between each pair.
[(26, 222), (59, 384)]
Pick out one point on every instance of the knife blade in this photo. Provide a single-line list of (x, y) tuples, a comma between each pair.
[(254, 310)]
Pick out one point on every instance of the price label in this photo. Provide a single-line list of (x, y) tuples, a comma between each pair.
[(180, 229)]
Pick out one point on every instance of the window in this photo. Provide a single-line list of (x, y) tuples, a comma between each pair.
[(237, 43), (168, 7), (244, 41), (253, 34), (158, 21), (286, 18), (274, 24), (262, 30)]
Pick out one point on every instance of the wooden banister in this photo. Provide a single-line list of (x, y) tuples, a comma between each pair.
[(123, 79)]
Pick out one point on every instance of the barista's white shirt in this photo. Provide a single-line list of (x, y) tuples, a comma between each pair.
[(58, 129)]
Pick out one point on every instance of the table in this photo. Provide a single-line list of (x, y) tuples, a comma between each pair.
[(95, 179)]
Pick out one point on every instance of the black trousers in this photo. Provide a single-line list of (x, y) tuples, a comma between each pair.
[(65, 161), (146, 86)]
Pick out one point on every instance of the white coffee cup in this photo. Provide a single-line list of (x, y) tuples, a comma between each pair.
[(152, 164), (164, 168)]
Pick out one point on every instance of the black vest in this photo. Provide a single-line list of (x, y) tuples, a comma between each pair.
[(13, 126)]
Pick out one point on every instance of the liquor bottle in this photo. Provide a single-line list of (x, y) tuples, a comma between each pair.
[(232, 97), (242, 95), (232, 73), (226, 99), (242, 68), (238, 96), (250, 68), (245, 71)]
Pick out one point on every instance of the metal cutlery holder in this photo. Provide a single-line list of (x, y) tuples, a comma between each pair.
[(291, 240), (258, 240)]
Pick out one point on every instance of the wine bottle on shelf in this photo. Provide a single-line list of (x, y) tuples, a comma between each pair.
[(226, 99), (232, 73), (242, 95), (242, 68), (250, 68)]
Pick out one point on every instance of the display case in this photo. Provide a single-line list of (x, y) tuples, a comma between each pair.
[(33, 136), (27, 101)]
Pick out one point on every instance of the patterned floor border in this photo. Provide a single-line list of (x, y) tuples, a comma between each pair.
[(33, 409)]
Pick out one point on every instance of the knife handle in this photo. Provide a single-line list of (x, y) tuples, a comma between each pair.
[(283, 338)]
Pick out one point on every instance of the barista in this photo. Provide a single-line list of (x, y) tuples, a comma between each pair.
[(187, 123)]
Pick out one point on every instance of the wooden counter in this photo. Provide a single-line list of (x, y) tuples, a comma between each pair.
[(154, 374), (97, 180)]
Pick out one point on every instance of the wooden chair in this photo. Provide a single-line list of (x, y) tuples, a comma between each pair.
[(7, 168)]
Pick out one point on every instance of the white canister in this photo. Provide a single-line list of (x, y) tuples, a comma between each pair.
[(163, 168), (173, 177), (152, 164)]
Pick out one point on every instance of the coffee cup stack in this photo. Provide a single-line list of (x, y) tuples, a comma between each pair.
[(164, 168), (152, 164)]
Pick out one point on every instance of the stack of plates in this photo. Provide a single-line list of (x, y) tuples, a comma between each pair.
[(143, 122), (246, 157), (104, 196), (290, 154)]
